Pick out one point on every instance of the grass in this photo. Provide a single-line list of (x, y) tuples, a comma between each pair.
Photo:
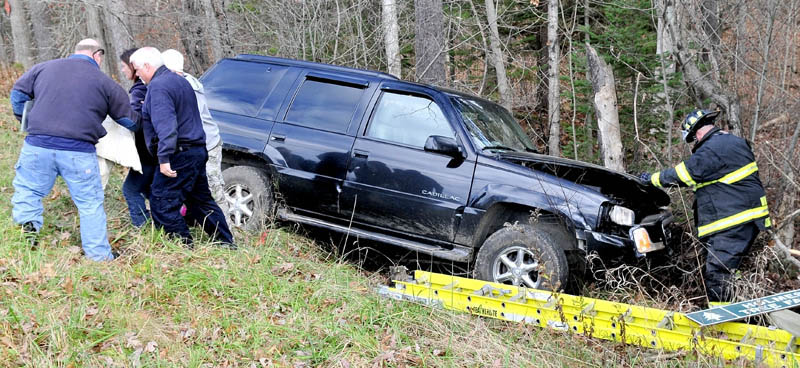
[(281, 300)]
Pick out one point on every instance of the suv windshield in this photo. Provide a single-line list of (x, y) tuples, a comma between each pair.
[(491, 126)]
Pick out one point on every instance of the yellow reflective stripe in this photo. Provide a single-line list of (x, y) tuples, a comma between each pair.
[(764, 200), (734, 176), (734, 220), (683, 174), (656, 179), (768, 222)]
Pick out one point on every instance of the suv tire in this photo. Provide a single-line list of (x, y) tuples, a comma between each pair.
[(524, 256), (249, 197)]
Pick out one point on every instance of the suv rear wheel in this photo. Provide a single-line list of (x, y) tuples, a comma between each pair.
[(522, 255), (249, 197)]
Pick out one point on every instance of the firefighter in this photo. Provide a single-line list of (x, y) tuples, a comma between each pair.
[(730, 206)]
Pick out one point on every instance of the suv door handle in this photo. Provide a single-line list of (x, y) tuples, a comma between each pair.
[(277, 138), (360, 154)]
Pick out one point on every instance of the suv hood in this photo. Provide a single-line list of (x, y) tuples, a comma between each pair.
[(622, 187)]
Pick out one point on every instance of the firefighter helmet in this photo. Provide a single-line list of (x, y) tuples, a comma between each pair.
[(696, 120)]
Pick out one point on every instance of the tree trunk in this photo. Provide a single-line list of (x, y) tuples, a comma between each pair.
[(390, 37), (215, 39), (192, 36), (703, 87), (118, 35), (41, 19), (21, 33), (605, 105), (96, 29), (429, 43), (498, 57), (553, 95), (664, 50)]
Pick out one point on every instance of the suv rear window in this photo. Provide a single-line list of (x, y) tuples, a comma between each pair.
[(324, 105), (240, 87)]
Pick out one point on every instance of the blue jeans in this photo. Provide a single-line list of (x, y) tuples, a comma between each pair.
[(37, 169), (136, 189)]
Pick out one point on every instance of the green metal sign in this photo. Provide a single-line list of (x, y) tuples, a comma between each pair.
[(737, 311)]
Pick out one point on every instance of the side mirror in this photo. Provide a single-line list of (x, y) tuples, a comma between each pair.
[(444, 145)]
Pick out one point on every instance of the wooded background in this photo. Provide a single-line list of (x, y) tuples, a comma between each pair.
[(600, 81)]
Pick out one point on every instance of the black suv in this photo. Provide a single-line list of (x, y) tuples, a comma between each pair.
[(432, 170)]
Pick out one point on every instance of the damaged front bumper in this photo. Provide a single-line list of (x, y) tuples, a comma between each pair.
[(651, 234)]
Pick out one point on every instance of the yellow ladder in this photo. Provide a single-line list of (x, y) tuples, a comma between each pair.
[(631, 324)]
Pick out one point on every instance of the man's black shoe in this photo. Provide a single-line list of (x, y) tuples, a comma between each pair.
[(115, 254), (30, 234)]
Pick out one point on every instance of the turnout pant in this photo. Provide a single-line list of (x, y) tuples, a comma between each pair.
[(190, 187), (726, 250)]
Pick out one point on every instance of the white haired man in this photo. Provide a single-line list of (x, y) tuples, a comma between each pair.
[(71, 98), (173, 131), (173, 60)]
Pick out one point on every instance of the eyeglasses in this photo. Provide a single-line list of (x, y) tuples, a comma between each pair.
[(100, 51)]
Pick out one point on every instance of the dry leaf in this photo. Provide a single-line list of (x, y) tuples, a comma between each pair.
[(255, 259), (282, 269), (151, 347), (74, 249), (91, 311), (68, 285), (64, 235), (437, 352)]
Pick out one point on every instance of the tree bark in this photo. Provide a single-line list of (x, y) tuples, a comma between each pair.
[(664, 50), (192, 36), (41, 21), (429, 43), (21, 33), (553, 95), (498, 57), (391, 38), (96, 29), (118, 35), (215, 36), (605, 105)]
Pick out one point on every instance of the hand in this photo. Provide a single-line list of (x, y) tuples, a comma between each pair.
[(645, 177), (167, 170)]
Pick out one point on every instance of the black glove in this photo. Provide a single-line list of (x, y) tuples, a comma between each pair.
[(645, 177)]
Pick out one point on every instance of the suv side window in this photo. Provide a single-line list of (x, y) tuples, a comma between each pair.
[(322, 104), (240, 87), (408, 119)]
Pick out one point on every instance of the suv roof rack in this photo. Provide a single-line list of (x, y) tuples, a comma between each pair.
[(311, 64)]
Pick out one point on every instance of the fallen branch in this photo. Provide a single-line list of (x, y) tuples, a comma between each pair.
[(787, 252)]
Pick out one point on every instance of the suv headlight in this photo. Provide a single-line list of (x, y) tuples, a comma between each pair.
[(621, 215)]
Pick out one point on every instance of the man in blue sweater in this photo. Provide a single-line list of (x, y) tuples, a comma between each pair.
[(174, 133), (71, 98)]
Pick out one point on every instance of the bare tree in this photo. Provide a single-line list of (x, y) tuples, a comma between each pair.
[(664, 50), (498, 57), (391, 37), (429, 44), (553, 96), (605, 106), (21, 33), (682, 29), (118, 34), (43, 37)]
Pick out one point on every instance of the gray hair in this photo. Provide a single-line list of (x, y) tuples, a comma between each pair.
[(173, 60), (147, 55), (89, 45)]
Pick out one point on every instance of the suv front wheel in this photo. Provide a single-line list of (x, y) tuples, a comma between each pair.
[(249, 197), (521, 255)]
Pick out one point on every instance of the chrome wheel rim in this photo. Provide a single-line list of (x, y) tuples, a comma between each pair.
[(517, 266), (241, 204)]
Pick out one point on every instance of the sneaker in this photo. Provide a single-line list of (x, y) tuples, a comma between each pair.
[(30, 234)]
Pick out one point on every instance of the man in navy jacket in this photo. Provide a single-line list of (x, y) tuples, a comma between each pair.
[(71, 99), (174, 133), (730, 203)]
